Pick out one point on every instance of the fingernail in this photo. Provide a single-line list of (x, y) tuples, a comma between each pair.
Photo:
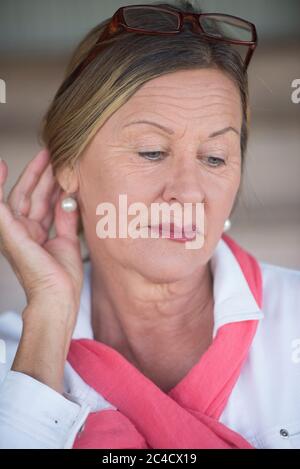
[(18, 210), (16, 213)]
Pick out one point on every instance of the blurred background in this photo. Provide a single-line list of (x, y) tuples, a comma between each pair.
[(36, 40)]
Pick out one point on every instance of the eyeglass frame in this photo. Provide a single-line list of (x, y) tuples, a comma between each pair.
[(118, 20)]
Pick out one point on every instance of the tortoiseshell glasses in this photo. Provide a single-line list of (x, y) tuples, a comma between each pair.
[(167, 20)]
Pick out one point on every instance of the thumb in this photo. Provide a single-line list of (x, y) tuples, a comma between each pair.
[(66, 222)]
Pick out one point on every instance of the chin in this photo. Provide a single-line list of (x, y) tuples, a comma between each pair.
[(166, 263)]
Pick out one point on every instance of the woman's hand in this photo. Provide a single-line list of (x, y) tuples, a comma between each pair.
[(45, 267), (49, 270)]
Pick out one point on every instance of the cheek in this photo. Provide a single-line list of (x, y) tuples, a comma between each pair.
[(118, 195), (116, 180), (220, 196), (223, 187), (99, 184)]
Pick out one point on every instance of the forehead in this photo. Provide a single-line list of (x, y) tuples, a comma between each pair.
[(200, 100), (189, 84), (186, 94)]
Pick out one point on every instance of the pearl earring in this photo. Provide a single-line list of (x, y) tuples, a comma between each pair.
[(69, 204), (227, 225)]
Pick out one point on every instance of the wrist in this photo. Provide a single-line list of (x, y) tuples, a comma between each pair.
[(44, 344), (55, 313)]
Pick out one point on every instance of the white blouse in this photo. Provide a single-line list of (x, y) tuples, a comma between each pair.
[(264, 405)]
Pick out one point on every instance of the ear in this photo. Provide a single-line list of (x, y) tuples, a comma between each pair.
[(68, 179)]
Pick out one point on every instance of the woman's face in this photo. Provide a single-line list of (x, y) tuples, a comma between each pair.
[(189, 154)]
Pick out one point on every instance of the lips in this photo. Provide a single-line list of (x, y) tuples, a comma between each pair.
[(175, 232)]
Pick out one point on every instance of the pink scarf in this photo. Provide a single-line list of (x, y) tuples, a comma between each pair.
[(185, 417)]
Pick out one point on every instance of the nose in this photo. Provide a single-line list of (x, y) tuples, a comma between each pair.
[(184, 182)]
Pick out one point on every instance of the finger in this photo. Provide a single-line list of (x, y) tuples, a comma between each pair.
[(15, 233), (41, 195), (3, 176), (66, 223), (49, 217), (19, 198)]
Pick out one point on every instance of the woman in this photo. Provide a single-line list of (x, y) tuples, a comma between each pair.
[(148, 344)]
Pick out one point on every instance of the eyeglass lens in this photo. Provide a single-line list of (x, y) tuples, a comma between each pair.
[(218, 26)]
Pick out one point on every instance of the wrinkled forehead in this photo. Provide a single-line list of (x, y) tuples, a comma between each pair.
[(189, 98), (188, 83)]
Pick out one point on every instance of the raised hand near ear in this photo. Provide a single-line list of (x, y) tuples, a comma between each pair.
[(50, 270)]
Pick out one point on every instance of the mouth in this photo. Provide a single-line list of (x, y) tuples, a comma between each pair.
[(174, 232)]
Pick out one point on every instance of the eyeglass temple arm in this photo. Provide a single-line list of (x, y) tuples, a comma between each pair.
[(249, 55)]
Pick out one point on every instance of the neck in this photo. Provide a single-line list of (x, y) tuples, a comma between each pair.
[(161, 329)]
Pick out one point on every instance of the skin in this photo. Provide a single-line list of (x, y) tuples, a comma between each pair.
[(152, 299)]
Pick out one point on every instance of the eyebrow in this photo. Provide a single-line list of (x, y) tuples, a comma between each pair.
[(170, 131)]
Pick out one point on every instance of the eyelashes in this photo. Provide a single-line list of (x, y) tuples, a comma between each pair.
[(149, 155), (216, 161), (212, 161)]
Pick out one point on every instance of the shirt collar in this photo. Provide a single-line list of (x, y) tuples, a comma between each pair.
[(233, 299)]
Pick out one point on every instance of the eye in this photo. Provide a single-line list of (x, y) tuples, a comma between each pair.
[(151, 155), (214, 161)]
